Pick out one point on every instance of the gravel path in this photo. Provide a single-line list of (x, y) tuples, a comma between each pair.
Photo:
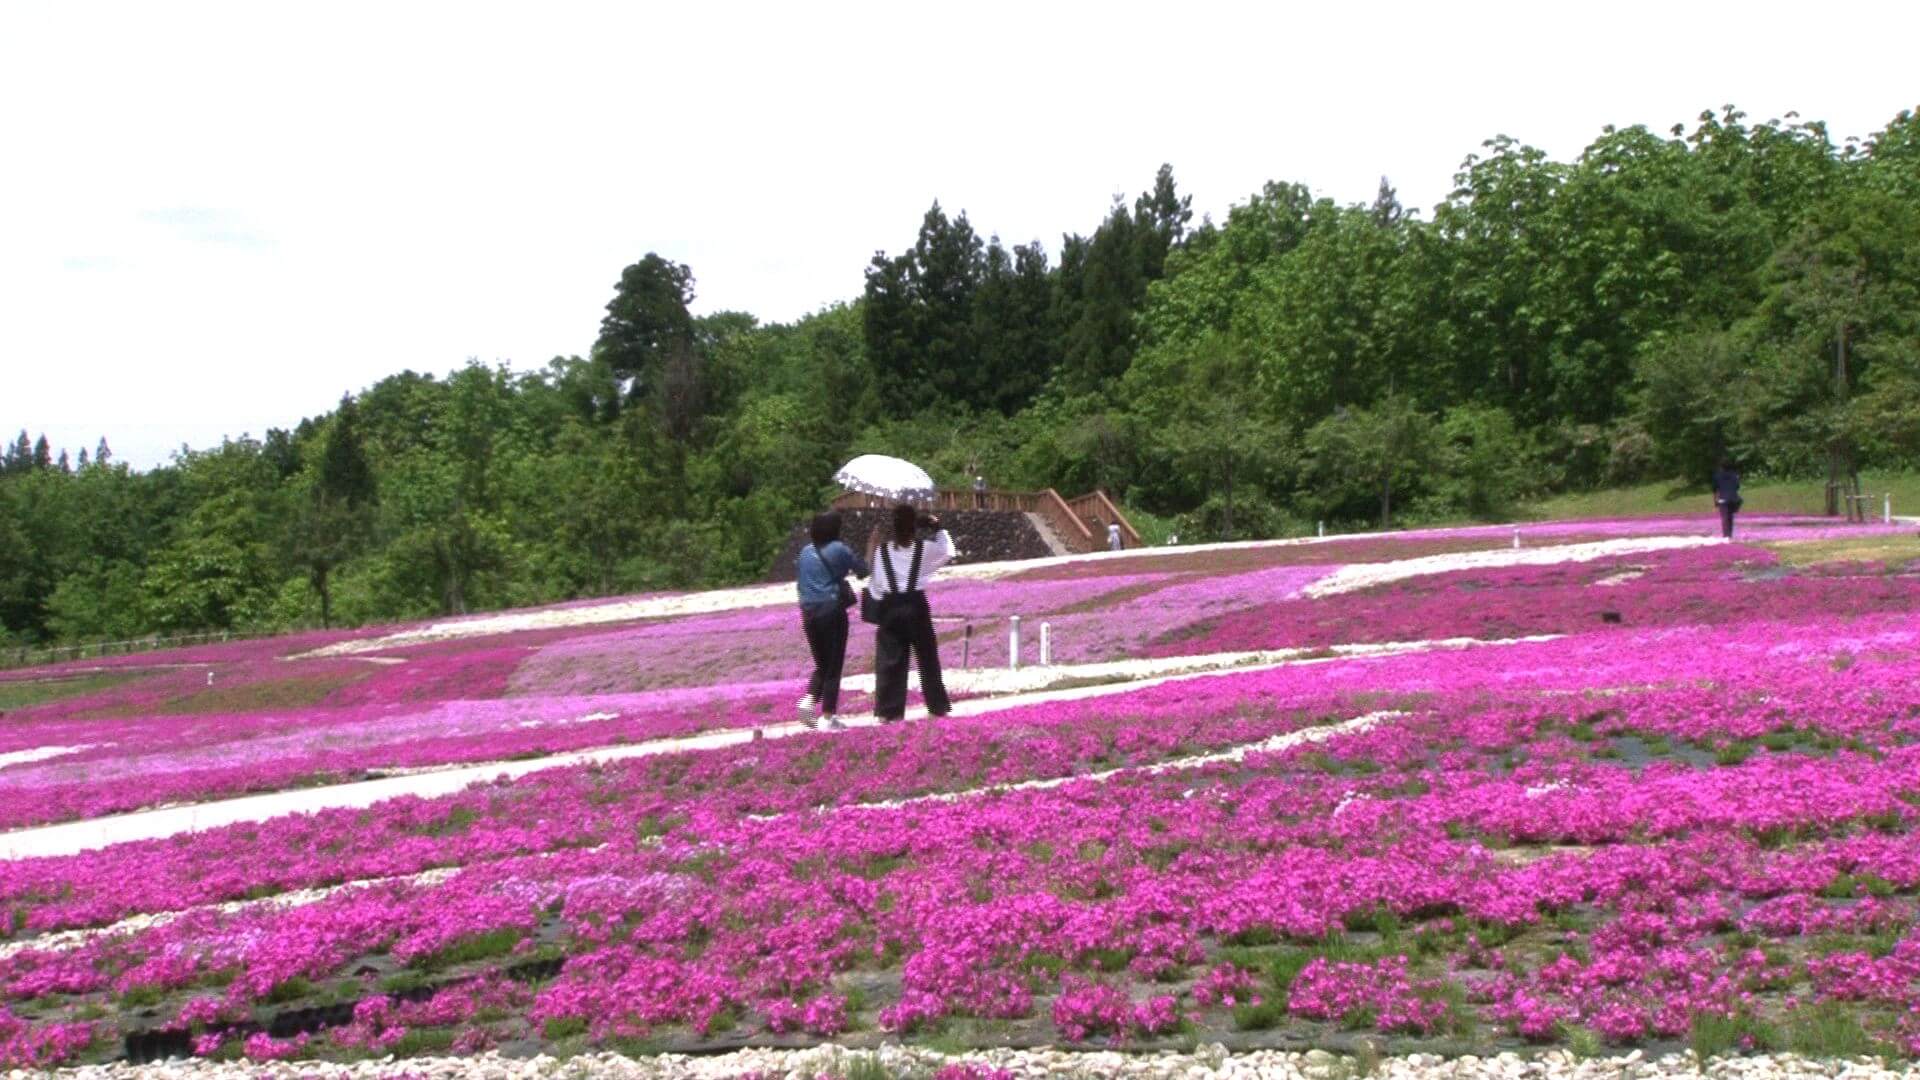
[(1205, 1063), (38, 753), (1356, 576), (717, 600)]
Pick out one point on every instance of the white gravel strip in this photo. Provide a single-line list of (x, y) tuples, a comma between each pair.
[(1035, 677), (73, 939), (718, 600), (39, 753), (75, 836), (1237, 753), (1364, 575), (1208, 1062)]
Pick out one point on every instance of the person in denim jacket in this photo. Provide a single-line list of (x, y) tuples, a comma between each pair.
[(822, 568)]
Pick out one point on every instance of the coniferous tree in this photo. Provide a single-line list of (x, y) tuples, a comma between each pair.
[(337, 517), (1161, 216), (887, 324), (948, 260), (647, 322)]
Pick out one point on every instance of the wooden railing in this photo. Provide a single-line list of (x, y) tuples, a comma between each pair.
[(35, 655), (1020, 502), (1073, 520), (1096, 507), (1072, 531)]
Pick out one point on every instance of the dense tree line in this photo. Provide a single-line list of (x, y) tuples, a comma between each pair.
[(1738, 289)]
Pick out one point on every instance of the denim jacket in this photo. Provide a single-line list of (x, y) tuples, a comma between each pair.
[(821, 570)]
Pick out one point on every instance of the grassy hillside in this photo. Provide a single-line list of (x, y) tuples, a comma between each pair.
[(1761, 495)]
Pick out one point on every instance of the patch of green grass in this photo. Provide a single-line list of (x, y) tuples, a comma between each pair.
[(22, 693), (402, 981), (1840, 888), (1270, 1013), (418, 1041), (1734, 753), (1110, 960), (140, 997), (655, 825), (1711, 1036), (1757, 494), (1891, 550), (296, 692), (292, 989), (1829, 1029), (468, 949), (1253, 937), (1582, 1041), (563, 1027), (1782, 739), (635, 1046), (947, 1039), (1378, 918), (456, 823)]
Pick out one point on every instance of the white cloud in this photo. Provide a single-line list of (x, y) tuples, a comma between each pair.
[(217, 217)]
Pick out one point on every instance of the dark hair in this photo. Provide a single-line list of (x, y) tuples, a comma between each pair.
[(905, 520), (1726, 464), (825, 528)]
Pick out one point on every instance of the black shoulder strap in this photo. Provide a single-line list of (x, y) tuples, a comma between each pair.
[(913, 572), (886, 563)]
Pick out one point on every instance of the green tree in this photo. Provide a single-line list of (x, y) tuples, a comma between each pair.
[(1214, 432), (1357, 453), (647, 326), (335, 519), (218, 571), (1837, 340)]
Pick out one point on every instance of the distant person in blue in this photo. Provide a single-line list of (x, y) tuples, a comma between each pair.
[(825, 596), (1726, 496)]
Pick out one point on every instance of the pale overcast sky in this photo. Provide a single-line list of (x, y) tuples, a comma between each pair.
[(215, 219)]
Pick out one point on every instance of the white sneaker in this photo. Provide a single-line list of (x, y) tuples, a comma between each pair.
[(834, 724)]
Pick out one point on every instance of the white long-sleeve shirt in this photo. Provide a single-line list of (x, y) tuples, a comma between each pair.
[(937, 552)]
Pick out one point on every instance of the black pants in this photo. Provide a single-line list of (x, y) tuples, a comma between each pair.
[(1727, 510), (826, 629), (906, 631)]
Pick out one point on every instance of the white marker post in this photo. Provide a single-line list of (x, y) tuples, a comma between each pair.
[(1886, 509), (1516, 537), (1013, 646), (1046, 644), (1323, 528)]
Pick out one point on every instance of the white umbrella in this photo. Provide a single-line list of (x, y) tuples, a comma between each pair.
[(886, 477)]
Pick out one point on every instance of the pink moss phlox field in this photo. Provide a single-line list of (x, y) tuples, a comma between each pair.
[(1702, 807), (1732, 583)]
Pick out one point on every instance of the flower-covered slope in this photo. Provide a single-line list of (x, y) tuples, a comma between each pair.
[(1692, 818)]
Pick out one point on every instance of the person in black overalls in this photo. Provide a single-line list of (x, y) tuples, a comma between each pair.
[(903, 626), (1726, 496)]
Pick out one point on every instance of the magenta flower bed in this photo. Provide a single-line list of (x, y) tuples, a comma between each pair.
[(1703, 811), (1621, 831), (1699, 586)]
